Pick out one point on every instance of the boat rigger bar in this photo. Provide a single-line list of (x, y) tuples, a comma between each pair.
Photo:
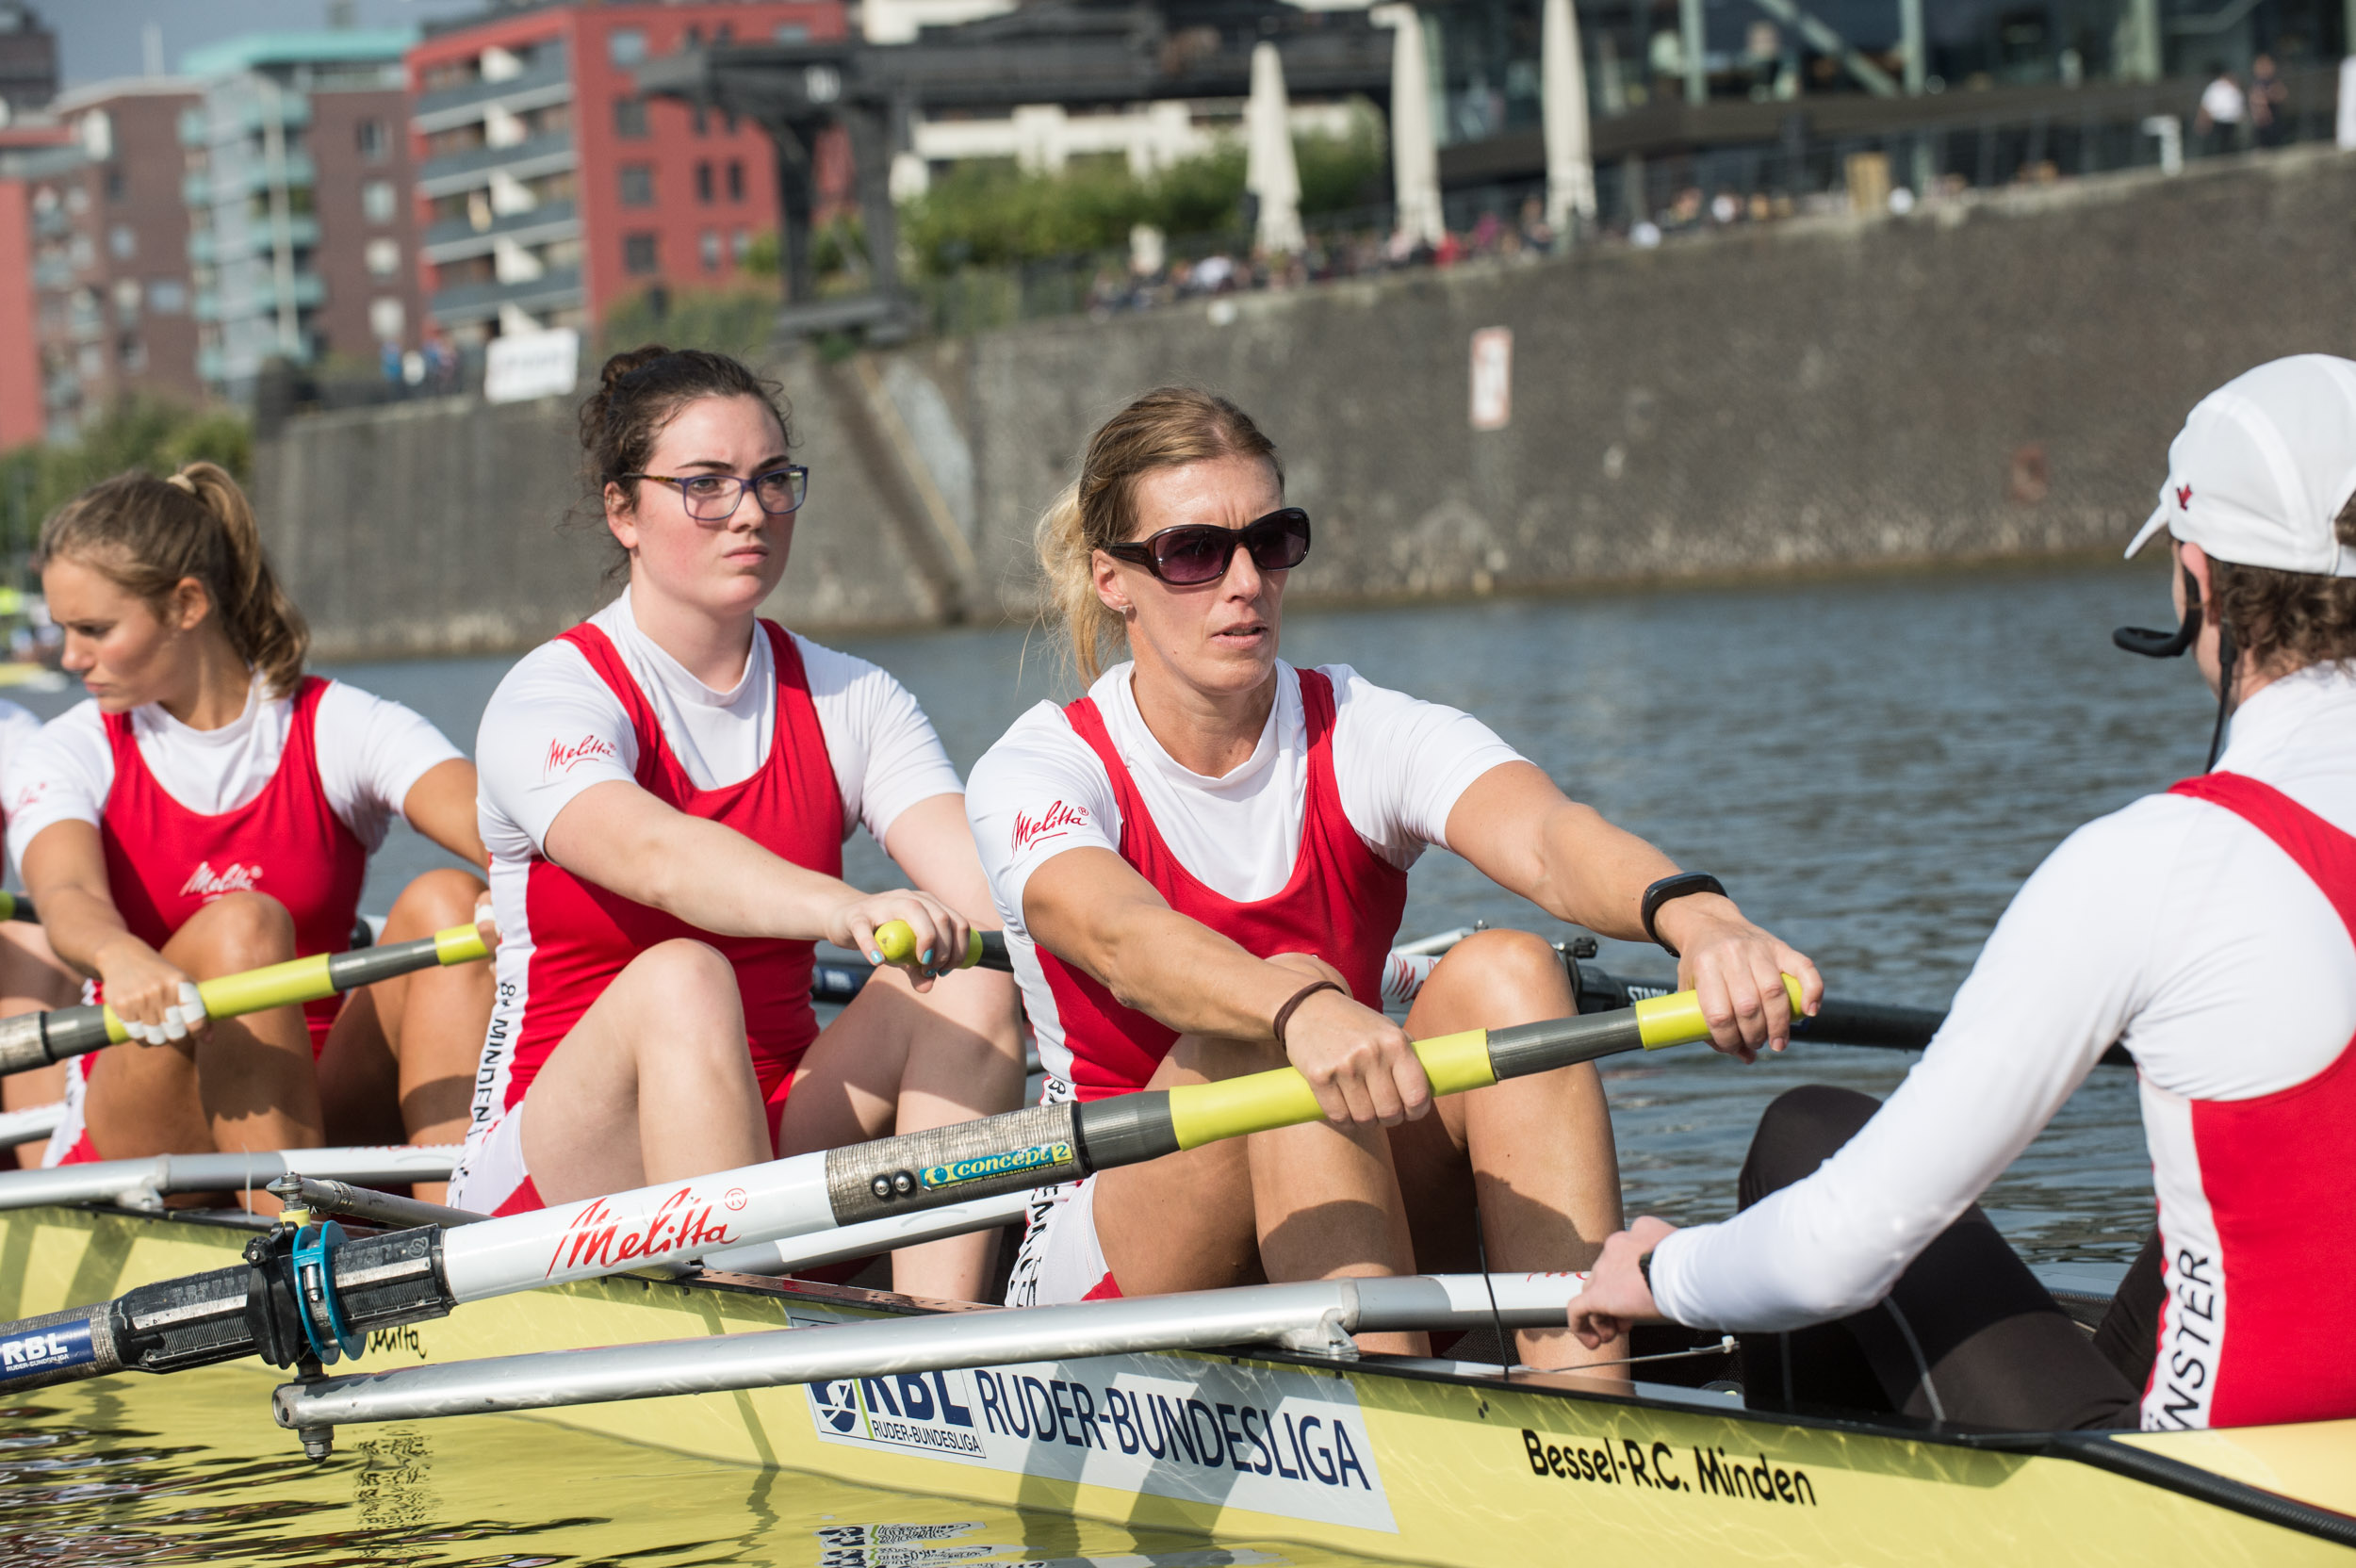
[(320, 1294), (1318, 1318)]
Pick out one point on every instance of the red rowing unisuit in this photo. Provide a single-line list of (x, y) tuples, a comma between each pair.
[(1343, 905), (164, 862), (584, 934), (2259, 1325)]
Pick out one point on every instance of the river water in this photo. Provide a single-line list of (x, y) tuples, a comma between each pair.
[(1872, 765)]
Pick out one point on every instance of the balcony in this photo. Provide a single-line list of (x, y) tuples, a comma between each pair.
[(525, 160), (457, 239), (480, 301), (255, 236), (543, 85), (229, 182)]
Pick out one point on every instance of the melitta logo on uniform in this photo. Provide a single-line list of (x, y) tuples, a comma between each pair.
[(563, 755), (1040, 1156), (1053, 823), (46, 1349), (1266, 1439), (204, 882)]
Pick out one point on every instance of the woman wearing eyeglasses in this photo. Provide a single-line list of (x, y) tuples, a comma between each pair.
[(1202, 863), (665, 792)]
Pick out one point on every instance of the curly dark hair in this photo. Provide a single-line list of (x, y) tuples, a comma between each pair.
[(2288, 620), (639, 392)]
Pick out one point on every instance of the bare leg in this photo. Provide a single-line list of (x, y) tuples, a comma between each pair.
[(400, 1064), (1537, 1151), (654, 1083), (32, 980), (1308, 1203), (900, 1061), (246, 1082)]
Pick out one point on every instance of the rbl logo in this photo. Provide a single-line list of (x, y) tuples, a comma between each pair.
[(2183, 498), (837, 1404)]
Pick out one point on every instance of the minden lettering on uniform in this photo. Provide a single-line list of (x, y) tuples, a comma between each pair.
[(1038, 1156), (1656, 1467), (204, 882), (1054, 822), (563, 755)]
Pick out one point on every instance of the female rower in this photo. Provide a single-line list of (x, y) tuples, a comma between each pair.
[(2212, 931), (665, 792), (1202, 863), (31, 978), (211, 809)]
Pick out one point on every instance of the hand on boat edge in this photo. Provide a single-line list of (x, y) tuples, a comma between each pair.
[(1616, 1295)]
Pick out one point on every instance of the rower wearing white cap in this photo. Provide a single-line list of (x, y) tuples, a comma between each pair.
[(2212, 931)]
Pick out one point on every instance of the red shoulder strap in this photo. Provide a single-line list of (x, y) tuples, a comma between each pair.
[(606, 659), (2326, 854)]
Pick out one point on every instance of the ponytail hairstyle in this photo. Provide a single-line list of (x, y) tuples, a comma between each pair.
[(641, 391), (146, 535), (1165, 428)]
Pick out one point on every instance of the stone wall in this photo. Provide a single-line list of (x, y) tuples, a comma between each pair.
[(1999, 376)]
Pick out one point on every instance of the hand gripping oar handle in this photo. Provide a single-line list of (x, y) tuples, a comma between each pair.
[(294, 1292), (36, 1040), (897, 940)]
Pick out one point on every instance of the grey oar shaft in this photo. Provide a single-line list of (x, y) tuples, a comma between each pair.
[(1312, 1316), (379, 1208), (143, 1184)]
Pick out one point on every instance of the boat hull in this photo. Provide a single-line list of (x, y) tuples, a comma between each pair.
[(1430, 1463)]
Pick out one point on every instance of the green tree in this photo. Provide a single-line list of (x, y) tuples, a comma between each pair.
[(137, 432)]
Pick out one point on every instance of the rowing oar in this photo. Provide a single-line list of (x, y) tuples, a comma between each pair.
[(309, 1296), (36, 1040)]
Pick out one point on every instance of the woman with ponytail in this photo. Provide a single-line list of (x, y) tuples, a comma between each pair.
[(665, 792), (1202, 865), (212, 808)]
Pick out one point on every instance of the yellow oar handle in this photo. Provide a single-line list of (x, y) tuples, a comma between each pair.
[(297, 980), (897, 940), (1204, 1113)]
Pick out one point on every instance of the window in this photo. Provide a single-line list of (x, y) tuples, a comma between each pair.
[(791, 32), (121, 242), (724, 33), (375, 143), (117, 186), (132, 353), (82, 253), (736, 179), (378, 200), (384, 258), (703, 120), (127, 294), (638, 255), (710, 249), (168, 297), (387, 320), (637, 184), (740, 246), (629, 118), (703, 183), (626, 45)]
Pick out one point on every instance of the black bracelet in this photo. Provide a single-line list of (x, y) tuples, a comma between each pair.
[(1667, 889), (1643, 1266)]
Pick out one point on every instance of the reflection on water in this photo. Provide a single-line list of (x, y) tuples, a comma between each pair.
[(1872, 767), (86, 1477)]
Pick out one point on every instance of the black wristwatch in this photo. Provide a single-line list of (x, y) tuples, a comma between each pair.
[(1673, 886), (1643, 1266)]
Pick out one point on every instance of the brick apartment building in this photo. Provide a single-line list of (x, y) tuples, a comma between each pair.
[(549, 190), (30, 151), (298, 186)]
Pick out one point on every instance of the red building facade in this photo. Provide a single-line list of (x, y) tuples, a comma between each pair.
[(549, 190)]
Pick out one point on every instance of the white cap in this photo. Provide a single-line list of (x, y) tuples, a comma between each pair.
[(2264, 466)]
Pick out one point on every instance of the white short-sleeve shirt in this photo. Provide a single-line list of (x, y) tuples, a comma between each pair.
[(1399, 763), (371, 752)]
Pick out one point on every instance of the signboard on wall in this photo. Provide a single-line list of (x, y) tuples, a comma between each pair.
[(527, 365), (1492, 378)]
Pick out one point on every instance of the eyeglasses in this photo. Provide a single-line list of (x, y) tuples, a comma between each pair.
[(714, 498), (1191, 554)]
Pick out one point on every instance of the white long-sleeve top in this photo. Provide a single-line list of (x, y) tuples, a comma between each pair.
[(2172, 925)]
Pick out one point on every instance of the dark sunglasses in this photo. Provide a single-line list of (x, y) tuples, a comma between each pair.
[(1192, 554)]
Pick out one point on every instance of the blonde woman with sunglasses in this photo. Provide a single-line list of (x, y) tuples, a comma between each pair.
[(1201, 866)]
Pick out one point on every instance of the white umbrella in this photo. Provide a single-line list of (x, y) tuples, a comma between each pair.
[(1415, 156), (1269, 172), (1570, 164)]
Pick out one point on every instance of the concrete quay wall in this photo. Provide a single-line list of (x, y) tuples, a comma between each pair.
[(1994, 377)]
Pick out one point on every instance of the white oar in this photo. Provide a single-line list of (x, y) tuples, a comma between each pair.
[(31, 1125), (1318, 1316)]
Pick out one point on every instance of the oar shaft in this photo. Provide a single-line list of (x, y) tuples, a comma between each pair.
[(36, 1040)]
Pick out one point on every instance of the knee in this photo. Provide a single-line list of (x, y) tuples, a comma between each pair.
[(1801, 1129), (434, 902), (1505, 963), (686, 991), (241, 931)]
